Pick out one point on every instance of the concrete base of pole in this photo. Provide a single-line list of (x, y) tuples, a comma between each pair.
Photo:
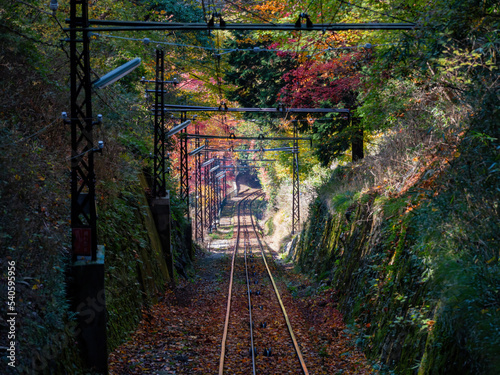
[(87, 294), (161, 212)]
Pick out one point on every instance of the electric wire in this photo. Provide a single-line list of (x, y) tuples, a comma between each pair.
[(309, 5), (254, 49), (29, 136), (374, 11), (82, 154), (251, 12)]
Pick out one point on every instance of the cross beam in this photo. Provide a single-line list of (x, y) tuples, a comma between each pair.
[(259, 160), (248, 160), (194, 108), (253, 150), (258, 138), (110, 25)]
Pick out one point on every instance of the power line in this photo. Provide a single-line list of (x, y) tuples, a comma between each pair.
[(30, 136), (250, 12), (250, 49), (374, 11)]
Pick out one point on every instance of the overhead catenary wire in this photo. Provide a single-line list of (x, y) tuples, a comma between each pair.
[(250, 49), (309, 6), (251, 12), (373, 11), (83, 153)]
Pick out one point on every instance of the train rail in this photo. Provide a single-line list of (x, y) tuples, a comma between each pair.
[(258, 336)]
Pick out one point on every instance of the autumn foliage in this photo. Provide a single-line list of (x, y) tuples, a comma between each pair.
[(327, 83)]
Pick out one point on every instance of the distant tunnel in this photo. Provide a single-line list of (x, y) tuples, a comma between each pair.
[(245, 178)]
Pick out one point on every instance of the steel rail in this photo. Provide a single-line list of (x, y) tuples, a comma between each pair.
[(247, 244), (290, 330), (229, 296), (248, 205)]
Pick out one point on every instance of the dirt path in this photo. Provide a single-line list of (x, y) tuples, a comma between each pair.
[(182, 334)]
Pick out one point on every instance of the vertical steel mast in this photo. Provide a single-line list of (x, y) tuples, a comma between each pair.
[(183, 159), (206, 196), (296, 192), (86, 281), (159, 170), (83, 210), (199, 192)]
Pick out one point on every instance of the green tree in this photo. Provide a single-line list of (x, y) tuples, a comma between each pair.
[(257, 74)]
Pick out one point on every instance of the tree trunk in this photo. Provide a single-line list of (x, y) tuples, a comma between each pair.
[(357, 140)]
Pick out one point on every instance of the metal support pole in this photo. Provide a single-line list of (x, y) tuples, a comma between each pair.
[(224, 184), (83, 212), (183, 159), (213, 203), (159, 169), (86, 282), (219, 202), (198, 207), (296, 192), (219, 195), (207, 194)]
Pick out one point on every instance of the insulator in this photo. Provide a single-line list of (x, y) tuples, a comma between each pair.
[(53, 6)]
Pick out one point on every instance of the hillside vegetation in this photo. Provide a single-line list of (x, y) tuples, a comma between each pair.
[(409, 236)]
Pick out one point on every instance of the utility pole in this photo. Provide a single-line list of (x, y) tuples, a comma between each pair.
[(206, 196), (183, 159), (213, 196), (86, 283), (160, 203), (159, 170), (296, 183), (199, 192)]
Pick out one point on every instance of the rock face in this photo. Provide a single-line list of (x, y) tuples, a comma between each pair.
[(138, 267), (377, 277), (417, 297)]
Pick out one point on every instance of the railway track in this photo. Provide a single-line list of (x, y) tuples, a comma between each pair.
[(258, 337)]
